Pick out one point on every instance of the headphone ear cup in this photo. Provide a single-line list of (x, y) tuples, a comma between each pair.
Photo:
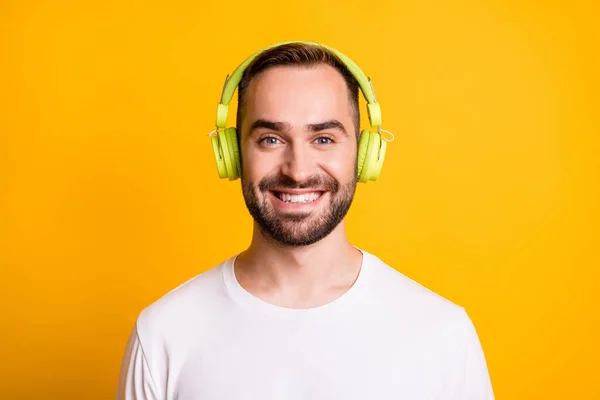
[(363, 144), (226, 151), (219, 156), (375, 165), (374, 156), (234, 153)]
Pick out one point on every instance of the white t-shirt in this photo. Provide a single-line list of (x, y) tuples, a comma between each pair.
[(387, 337)]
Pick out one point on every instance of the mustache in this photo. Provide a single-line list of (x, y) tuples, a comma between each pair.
[(285, 182)]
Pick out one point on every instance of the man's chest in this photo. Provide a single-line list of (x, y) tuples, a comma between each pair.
[(344, 366)]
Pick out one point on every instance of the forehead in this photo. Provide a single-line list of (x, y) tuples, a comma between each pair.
[(299, 95)]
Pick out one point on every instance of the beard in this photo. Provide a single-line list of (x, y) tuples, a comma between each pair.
[(298, 229)]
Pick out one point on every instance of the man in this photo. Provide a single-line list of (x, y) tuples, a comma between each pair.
[(301, 313)]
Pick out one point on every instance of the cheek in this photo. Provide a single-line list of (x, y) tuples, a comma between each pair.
[(342, 172), (256, 165), (340, 166)]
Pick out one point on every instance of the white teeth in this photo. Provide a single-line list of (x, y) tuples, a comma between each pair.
[(300, 198)]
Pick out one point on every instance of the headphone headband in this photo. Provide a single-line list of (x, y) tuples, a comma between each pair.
[(366, 87)]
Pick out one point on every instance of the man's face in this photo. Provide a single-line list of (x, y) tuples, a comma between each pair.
[(298, 148)]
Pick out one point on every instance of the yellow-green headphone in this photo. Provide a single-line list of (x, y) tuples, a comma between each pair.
[(371, 145)]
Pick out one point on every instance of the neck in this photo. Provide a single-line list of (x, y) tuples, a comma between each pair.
[(291, 274)]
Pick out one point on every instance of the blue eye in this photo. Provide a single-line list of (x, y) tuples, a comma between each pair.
[(269, 140), (327, 140)]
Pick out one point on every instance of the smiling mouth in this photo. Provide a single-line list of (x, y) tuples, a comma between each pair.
[(303, 198)]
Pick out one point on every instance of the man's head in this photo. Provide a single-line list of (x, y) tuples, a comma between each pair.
[(298, 125)]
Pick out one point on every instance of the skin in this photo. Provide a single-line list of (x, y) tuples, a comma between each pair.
[(298, 132)]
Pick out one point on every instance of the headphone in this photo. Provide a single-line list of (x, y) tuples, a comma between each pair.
[(371, 145)]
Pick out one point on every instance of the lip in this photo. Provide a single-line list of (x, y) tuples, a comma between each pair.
[(297, 206), (298, 191)]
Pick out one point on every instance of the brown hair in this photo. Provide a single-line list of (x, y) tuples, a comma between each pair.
[(297, 54)]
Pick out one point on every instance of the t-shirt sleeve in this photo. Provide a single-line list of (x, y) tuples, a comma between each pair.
[(135, 378), (476, 379)]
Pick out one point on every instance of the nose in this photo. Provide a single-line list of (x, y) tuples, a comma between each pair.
[(298, 162)]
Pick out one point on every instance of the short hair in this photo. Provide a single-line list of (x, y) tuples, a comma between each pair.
[(299, 54)]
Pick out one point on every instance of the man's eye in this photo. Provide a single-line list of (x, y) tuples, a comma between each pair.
[(324, 140), (269, 140)]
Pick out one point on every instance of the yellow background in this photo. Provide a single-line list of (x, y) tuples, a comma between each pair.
[(109, 196)]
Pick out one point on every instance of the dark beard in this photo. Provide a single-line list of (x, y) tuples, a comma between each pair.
[(298, 229)]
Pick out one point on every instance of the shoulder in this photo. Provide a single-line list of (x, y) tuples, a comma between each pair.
[(185, 305), (400, 296)]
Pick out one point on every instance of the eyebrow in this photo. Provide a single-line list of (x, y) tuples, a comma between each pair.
[(263, 123), (283, 126), (331, 124)]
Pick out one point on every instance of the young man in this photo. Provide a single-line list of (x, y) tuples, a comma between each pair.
[(302, 313)]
